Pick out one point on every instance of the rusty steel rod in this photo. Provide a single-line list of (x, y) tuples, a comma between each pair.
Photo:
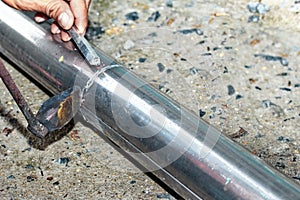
[(34, 125)]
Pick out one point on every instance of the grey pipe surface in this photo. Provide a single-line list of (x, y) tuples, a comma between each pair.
[(152, 130)]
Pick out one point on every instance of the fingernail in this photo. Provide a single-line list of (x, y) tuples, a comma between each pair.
[(64, 19), (39, 19), (66, 39), (80, 30), (57, 31)]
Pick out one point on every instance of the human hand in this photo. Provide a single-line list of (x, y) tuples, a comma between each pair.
[(65, 13)]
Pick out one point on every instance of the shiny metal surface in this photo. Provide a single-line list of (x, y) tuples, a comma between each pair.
[(84, 47), (150, 129)]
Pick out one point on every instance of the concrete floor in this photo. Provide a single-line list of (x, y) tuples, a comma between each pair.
[(225, 74)]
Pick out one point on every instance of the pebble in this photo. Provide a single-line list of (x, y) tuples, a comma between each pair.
[(201, 113), (282, 74), (254, 42), (132, 16), (230, 89), (169, 71), (13, 121), (259, 135), (257, 7), (153, 34), (142, 60), (216, 48), (283, 61), (129, 44), (291, 118), (253, 18), (241, 132), (190, 4), (228, 48), (193, 71), (29, 166), (6, 131), (225, 70), (183, 59), (206, 54), (11, 177), (285, 89), (190, 31), (258, 88), (248, 66), (163, 196), (162, 85), (154, 16), (214, 97), (26, 149), (238, 97), (64, 160), (266, 103), (169, 3), (218, 111), (94, 32), (262, 8), (30, 179), (161, 67), (56, 183), (280, 165)]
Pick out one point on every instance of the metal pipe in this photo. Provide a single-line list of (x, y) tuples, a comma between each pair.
[(150, 129)]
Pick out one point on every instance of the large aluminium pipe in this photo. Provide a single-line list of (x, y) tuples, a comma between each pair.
[(155, 132)]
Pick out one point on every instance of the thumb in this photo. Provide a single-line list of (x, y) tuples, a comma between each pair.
[(61, 12)]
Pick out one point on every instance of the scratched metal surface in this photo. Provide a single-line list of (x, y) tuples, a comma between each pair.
[(214, 69)]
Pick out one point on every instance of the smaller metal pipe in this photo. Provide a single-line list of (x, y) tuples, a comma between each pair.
[(15, 92), (34, 125)]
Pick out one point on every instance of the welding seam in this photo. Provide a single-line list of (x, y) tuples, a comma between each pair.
[(90, 82)]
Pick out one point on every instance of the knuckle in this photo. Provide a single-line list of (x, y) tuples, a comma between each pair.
[(52, 8)]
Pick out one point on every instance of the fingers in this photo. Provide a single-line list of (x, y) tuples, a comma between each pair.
[(88, 3), (55, 29), (65, 36), (80, 11), (60, 11), (40, 17), (66, 13)]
